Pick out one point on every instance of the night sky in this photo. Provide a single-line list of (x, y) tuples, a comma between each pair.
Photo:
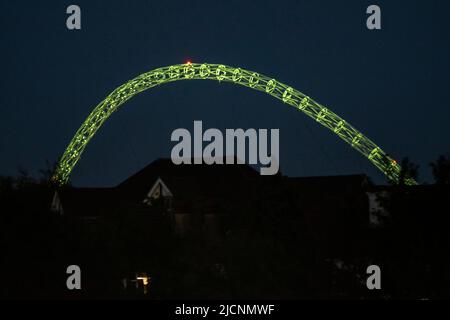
[(391, 84)]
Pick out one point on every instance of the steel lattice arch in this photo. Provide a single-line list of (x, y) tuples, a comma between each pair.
[(219, 72)]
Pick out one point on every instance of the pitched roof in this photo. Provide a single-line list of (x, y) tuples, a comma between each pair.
[(210, 186), (188, 180)]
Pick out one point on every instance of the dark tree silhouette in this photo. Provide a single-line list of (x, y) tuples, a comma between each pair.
[(441, 169), (47, 173), (409, 170)]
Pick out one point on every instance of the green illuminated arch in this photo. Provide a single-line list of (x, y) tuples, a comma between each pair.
[(240, 76)]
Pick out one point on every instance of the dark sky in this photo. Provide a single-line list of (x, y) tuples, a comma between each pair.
[(392, 84)]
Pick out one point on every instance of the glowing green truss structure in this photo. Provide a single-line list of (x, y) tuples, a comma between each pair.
[(254, 80)]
